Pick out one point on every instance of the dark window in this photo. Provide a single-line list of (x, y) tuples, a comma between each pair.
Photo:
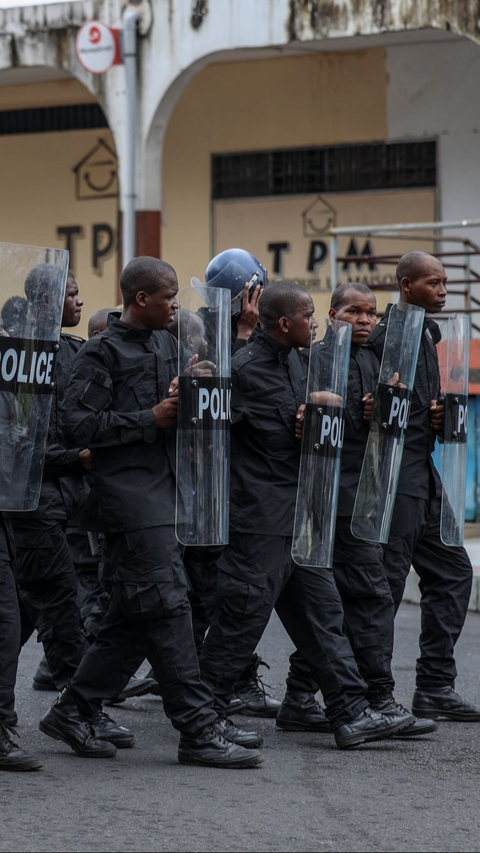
[(339, 168), (48, 119)]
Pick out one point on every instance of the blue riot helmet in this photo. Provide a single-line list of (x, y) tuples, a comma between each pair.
[(232, 269)]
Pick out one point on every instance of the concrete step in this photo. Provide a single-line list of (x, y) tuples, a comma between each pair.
[(472, 545)]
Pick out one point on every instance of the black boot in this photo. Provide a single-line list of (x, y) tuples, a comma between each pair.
[(366, 727), (211, 749), (394, 711), (42, 680), (63, 721), (108, 730), (135, 687), (155, 689), (300, 712), (225, 727), (251, 697), (11, 720), (11, 756), (437, 702)]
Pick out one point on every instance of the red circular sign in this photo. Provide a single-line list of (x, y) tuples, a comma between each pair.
[(96, 47)]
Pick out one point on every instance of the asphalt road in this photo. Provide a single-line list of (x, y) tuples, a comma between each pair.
[(395, 795)]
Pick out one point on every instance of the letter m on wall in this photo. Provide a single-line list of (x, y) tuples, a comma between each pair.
[(354, 253)]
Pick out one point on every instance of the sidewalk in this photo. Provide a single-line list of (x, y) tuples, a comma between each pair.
[(472, 544)]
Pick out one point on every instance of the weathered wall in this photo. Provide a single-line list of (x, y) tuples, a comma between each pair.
[(327, 18), (434, 91), (39, 196), (248, 106), (175, 43), (264, 95), (321, 99)]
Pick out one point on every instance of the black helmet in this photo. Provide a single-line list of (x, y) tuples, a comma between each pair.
[(233, 268)]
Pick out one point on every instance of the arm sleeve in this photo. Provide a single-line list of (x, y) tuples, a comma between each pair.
[(238, 403), (88, 419), (239, 344), (60, 462), (376, 342)]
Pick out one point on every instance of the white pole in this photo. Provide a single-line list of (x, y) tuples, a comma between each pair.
[(406, 226), (130, 18), (334, 262)]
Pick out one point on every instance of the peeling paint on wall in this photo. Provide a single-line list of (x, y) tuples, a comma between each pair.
[(311, 19)]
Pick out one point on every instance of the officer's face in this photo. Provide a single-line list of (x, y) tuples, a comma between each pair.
[(428, 289), (196, 341), (72, 306), (360, 310), (303, 323), (161, 306)]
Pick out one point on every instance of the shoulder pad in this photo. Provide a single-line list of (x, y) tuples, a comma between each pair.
[(368, 352), (170, 340), (245, 355), (379, 330), (94, 343), (68, 336)]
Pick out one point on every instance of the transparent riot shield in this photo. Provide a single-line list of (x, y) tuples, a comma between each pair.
[(377, 487), (203, 435), (32, 289), (453, 352), (322, 439)]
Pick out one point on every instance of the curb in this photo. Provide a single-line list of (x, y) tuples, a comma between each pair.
[(412, 592)]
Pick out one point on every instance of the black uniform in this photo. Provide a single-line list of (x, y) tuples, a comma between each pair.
[(86, 555), (117, 379), (445, 572), (43, 566), (200, 564), (357, 565), (9, 624), (255, 571)]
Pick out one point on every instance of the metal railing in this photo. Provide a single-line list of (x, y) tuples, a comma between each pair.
[(467, 280)]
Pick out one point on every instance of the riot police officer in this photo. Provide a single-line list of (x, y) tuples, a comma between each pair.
[(30, 325), (122, 402), (241, 273), (357, 565), (445, 572), (43, 566), (12, 757)]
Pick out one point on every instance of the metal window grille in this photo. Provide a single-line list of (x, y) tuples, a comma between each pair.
[(49, 119), (340, 168)]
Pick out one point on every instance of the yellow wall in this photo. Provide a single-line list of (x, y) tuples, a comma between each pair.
[(318, 99), (38, 196), (322, 99), (259, 222), (52, 93), (245, 106)]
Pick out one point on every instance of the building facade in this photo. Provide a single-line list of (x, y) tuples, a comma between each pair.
[(260, 124)]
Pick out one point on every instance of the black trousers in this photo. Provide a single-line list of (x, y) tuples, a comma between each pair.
[(86, 565), (368, 607), (201, 567), (47, 586), (9, 630), (445, 584), (256, 574), (148, 616)]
